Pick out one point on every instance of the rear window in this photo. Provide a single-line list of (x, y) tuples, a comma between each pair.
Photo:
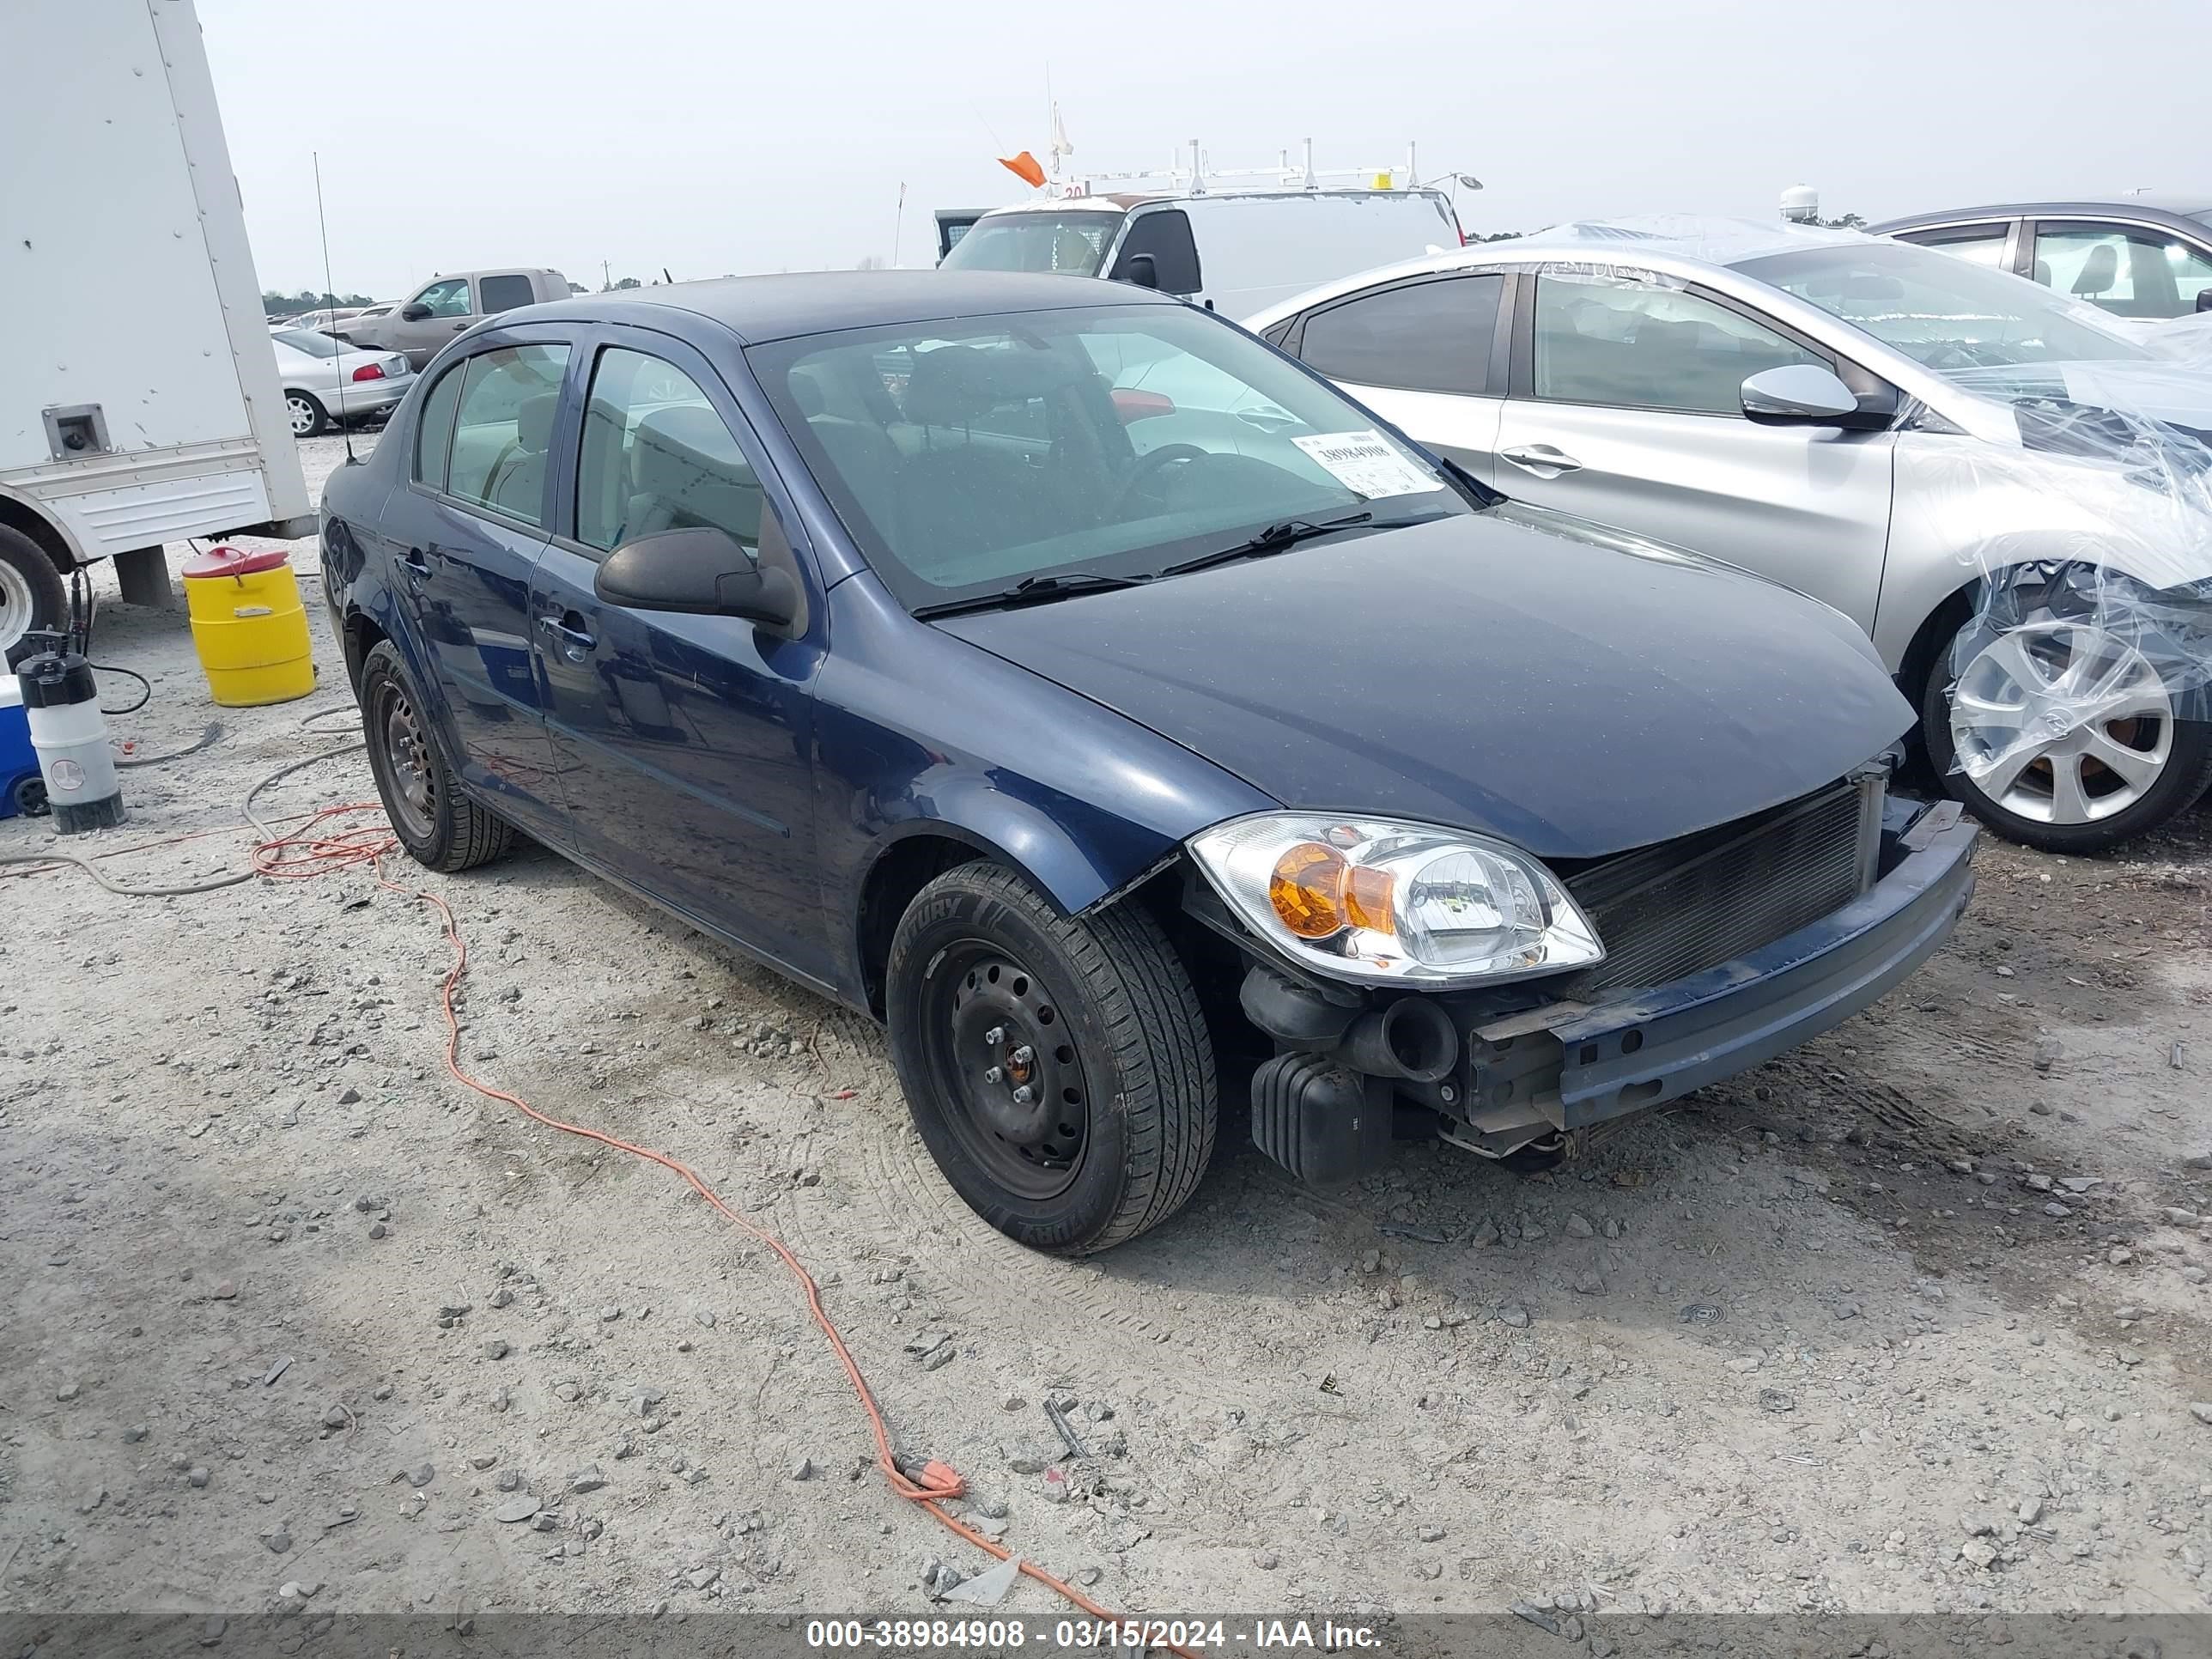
[(503, 293), (434, 432), (307, 340)]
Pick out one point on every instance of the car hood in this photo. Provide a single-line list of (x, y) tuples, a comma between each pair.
[(1515, 672)]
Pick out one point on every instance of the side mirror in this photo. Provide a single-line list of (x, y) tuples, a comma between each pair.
[(700, 572), (1798, 394), (1144, 271), (413, 311), (2204, 299)]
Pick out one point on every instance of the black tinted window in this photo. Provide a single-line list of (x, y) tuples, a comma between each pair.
[(1165, 236), (503, 293), (1426, 336), (433, 433)]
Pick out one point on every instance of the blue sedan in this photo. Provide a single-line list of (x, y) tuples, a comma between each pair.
[(1081, 687)]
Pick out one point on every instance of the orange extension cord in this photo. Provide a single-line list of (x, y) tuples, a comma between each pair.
[(306, 852)]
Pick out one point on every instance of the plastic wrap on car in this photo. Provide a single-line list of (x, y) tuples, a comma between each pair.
[(2087, 560)]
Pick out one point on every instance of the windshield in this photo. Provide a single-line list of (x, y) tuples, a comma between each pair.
[(1112, 441), (1066, 242), (1943, 312), (306, 340)]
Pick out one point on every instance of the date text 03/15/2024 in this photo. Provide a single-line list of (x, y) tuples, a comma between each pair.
[(978, 1638)]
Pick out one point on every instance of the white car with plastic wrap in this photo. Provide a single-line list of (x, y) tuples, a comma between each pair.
[(2015, 503)]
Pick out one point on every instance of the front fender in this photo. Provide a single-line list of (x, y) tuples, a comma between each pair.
[(920, 734), (1967, 512)]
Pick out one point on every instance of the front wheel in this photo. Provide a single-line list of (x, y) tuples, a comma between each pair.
[(1058, 1070), (2061, 734)]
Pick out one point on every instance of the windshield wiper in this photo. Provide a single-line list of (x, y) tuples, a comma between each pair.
[(1032, 590), (1289, 532)]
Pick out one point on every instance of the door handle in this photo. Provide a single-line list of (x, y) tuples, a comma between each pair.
[(458, 326), (416, 566), (574, 641), (1542, 459)]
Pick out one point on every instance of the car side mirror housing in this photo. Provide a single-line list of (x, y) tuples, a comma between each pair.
[(413, 311), (1798, 394), (700, 572), (2204, 299), (1144, 271)]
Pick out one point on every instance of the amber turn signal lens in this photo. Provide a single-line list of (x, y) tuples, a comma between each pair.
[(1367, 895), (1307, 890)]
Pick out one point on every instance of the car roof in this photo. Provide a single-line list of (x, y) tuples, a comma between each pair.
[(757, 309), (2176, 205)]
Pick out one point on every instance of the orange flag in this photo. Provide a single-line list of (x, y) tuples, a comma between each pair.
[(1024, 168)]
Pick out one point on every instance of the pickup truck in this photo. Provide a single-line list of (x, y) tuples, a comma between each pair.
[(421, 323)]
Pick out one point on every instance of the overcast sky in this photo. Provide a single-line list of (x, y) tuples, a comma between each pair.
[(712, 135)]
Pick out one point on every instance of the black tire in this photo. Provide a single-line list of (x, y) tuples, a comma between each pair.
[(308, 417), (2187, 774), (1131, 1047), (440, 826), (32, 574)]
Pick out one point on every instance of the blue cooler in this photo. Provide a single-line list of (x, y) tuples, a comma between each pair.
[(21, 787)]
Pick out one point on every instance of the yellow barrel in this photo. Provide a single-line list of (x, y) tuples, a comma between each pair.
[(248, 626)]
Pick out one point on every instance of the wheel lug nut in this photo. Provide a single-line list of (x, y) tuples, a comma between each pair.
[(1024, 1055), (993, 1075), (1024, 1095), (995, 1036)]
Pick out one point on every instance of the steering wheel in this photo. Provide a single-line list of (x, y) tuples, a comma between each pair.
[(1152, 461)]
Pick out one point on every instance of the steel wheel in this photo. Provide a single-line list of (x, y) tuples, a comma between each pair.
[(2061, 723), (406, 754), (1006, 1064)]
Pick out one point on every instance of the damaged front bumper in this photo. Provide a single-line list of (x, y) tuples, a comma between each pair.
[(1499, 1080)]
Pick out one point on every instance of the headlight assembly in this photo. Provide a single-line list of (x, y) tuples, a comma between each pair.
[(1385, 902)]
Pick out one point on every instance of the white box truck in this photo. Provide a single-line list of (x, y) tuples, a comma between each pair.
[(139, 402)]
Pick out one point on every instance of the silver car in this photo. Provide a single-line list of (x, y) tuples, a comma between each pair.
[(326, 381), (2010, 499)]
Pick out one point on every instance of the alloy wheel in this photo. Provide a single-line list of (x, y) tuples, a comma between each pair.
[(2061, 722), (302, 414)]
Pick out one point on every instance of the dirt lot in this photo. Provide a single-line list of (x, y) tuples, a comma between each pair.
[(1912, 1320)]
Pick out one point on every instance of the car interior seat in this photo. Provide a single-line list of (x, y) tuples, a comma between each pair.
[(516, 483), (2098, 272), (686, 471)]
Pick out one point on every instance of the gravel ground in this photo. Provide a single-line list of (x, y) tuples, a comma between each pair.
[(1912, 1320)]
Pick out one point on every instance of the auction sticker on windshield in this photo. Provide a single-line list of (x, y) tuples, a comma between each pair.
[(1366, 463)]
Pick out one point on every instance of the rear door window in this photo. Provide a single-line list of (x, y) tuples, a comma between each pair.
[(1419, 337), (1165, 235), (503, 429), (433, 432), (499, 293), (1982, 244)]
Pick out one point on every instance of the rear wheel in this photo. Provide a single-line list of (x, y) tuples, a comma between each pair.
[(31, 591), (439, 827), (1058, 1070), (2060, 733), (306, 414)]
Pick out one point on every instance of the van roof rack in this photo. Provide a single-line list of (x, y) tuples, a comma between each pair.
[(1187, 173)]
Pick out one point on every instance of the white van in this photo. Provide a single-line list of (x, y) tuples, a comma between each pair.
[(1236, 253)]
